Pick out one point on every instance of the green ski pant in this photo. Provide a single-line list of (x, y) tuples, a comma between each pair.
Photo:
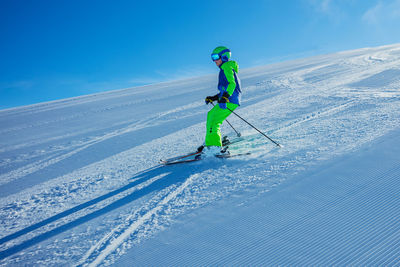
[(215, 117)]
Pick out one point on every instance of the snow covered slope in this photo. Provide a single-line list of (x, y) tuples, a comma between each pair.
[(342, 213), (80, 183)]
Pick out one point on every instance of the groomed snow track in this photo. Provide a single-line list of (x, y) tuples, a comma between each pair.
[(344, 213)]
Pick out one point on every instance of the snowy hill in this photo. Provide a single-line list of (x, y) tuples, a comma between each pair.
[(80, 182)]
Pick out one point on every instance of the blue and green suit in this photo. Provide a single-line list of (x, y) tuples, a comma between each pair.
[(228, 82)]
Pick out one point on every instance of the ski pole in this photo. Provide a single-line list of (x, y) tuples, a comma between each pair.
[(238, 134), (276, 143)]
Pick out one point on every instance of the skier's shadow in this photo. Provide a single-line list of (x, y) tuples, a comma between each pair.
[(169, 175)]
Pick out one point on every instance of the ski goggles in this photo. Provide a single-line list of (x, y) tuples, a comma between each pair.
[(215, 57)]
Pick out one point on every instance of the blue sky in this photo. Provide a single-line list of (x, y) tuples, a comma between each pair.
[(57, 49)]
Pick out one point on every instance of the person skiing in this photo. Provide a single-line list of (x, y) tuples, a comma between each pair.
[(228, 99)]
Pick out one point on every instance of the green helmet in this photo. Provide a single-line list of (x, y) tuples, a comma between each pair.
[(221, 52)]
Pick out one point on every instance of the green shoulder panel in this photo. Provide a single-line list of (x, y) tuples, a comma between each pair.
[(228, 69)]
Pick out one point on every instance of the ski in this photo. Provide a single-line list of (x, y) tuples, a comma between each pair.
[(195, 156), (225, 156), (181, 159)]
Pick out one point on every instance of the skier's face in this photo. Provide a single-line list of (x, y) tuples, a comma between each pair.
[(218, 62)]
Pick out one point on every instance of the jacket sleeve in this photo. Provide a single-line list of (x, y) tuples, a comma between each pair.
[(228, 71)]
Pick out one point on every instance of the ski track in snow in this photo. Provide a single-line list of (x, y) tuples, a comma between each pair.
[(133, 227), (47, 161), (318, 108)]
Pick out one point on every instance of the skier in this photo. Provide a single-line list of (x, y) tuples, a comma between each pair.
[(228, 100)]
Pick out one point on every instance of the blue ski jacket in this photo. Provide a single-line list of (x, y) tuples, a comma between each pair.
[(229, 82)]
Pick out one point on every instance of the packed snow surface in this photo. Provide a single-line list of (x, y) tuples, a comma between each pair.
[(81, 183)]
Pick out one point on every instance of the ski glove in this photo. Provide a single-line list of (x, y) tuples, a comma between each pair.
[(223, 100), (210, 99)]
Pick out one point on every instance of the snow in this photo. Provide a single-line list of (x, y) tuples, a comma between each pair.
[(80, 182), (343, 212)]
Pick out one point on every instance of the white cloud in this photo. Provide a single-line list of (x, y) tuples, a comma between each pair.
[(331, 9), (322, 6), (372, 15), (383, 11), (325, 6)]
